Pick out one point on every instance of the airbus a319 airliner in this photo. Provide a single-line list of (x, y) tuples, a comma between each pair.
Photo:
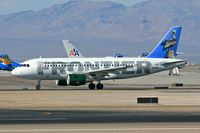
[(80, 71)]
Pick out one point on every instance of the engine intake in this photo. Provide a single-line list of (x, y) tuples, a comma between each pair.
[(61, 82)]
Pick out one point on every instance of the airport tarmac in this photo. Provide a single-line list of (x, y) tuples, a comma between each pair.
[(115, 109), (104, 128)]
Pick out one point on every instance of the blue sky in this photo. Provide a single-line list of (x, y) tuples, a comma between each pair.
[(11, 6)]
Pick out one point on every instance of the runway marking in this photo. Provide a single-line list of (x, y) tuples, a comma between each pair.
[(106, 129)]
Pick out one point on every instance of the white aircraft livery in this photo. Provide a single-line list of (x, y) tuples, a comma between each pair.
[(80, 71)]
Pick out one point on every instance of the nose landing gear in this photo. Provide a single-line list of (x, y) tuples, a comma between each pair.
[(38, 86)]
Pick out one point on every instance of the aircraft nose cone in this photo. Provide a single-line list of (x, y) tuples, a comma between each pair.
[(16, 72)]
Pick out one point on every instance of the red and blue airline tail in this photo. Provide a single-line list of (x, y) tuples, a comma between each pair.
[(167, 47), (71, 50)]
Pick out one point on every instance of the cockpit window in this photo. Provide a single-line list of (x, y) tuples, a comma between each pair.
[(24, 65)]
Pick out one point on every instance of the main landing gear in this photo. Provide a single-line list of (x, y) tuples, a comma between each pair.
[(92, 86), (99, 86), (38, 86)]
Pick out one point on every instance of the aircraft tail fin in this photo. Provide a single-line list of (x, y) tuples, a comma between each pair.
[(167, 47), (5, 59), (71, 50)]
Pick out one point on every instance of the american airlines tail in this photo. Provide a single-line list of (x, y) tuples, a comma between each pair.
[(72, 51), (167, 47)]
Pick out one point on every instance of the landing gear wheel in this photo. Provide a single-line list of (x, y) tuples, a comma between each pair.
[(99, 86), (37, 87), (91, 86)]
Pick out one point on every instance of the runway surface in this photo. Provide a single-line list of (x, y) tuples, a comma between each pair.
[(91, 116), (86, 121), (104, 128)]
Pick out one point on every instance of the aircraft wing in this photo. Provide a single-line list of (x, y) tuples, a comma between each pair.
[(105, 72)]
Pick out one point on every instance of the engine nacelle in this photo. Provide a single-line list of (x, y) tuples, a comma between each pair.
[(76, 79), (61, 82)]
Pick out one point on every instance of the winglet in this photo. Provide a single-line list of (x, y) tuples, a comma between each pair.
[(167, 47), (72, 52)]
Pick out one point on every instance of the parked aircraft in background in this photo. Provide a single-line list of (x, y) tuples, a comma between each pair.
[(79, 71), (7, 64), (71, 50)]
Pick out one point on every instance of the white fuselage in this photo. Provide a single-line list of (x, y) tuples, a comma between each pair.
[(102, 68)]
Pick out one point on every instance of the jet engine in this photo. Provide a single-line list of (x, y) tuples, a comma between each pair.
[(61, 82), (76, 79), (73, 80)]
